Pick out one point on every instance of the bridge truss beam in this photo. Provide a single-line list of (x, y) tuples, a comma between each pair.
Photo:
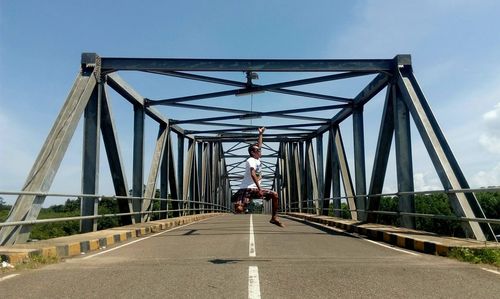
[(201, 175)]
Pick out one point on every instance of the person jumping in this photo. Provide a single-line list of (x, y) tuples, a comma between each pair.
[(250, 186)]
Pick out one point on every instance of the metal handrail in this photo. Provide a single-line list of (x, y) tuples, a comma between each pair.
[(417, 215), (212, 206)]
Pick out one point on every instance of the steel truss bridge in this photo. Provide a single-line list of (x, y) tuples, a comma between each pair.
[(197, 167)]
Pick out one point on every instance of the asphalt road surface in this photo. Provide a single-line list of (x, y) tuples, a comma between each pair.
[(227, 257)]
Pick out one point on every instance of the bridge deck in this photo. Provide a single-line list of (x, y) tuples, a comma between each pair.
[(212, 259)]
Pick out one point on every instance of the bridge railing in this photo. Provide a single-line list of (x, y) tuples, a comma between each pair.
[(310, 207), (191, 207)]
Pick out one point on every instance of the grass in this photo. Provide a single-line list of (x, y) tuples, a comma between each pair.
[(3, 215), (489, 256), (35, 261)]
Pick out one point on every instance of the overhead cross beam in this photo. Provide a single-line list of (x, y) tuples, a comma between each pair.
[(112, 64), (276, 87), (280, 113)]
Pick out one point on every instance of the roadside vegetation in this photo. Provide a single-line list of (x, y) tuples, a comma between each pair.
[(437, 204), (71, 208), (477, 255)]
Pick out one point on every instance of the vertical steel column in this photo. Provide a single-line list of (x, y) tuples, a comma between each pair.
[(194, 180), (276, 181), (313, 177), (90, 160), (302, 186), (404, 159), (292, 194), (328, 174), (297, 188), (188, 175), (209, 194), (172, 180), (223, 175), (213, 189), (138, 160), (359, 161), (164, 174), (201, 195), (320, 171), (307, 177), (204, 177), (283, 177), (224, 179), (180, 173), (217, 174)]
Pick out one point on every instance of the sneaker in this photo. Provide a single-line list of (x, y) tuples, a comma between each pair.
[(276, 222)]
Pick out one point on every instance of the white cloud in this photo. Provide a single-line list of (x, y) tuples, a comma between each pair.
[(426, 181), (490, 138), (490, 177)]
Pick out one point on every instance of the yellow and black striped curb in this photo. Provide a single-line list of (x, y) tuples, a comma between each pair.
[(75, 245), (424, 242)]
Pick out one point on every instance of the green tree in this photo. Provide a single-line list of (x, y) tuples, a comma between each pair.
[(490, 203), (4, 209), (107, 205), (436, 204), (388, 204)]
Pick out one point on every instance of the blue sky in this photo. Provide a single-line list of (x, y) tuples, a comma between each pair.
[(455, 48)]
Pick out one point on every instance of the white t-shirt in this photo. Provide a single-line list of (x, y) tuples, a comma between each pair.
[(247, 178)]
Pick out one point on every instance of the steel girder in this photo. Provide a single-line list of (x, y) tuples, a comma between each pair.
[(448, 170), (27, 207), (203, 176)]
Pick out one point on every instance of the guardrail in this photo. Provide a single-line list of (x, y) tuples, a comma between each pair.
[(397, 194), (205, 207)]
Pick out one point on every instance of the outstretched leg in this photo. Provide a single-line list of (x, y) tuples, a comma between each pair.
[(273, 196)]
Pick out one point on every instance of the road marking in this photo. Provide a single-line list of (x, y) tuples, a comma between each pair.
[(141, 239), (253, 283), (390, 247), (251, 243), (14, 275), (492, 271), (357, 236)]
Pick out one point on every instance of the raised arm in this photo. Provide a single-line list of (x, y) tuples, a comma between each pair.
[(261, 132)]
